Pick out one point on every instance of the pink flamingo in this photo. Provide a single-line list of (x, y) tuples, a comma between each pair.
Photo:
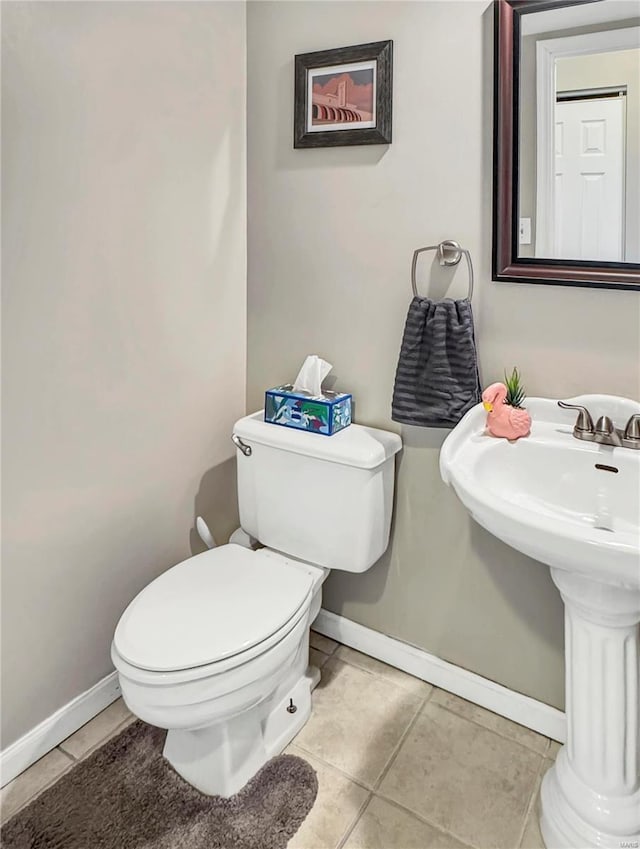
[(504, 420)]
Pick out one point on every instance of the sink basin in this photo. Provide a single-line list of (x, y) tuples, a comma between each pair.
[(575, 506), (571, 504)]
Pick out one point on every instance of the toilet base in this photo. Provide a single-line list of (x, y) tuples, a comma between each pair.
[(219, 760)]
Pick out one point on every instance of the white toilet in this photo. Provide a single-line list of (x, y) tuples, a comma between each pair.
[(216, 648)]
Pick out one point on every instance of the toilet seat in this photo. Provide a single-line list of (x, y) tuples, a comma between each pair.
[(217, 668), (219, 607)]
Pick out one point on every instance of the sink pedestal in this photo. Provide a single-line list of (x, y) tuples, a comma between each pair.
[(591, 796)]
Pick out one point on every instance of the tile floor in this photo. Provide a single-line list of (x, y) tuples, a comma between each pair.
[(400, 764)]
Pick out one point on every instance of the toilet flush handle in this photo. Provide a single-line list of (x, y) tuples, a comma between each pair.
[(246, 449), (204, 533)]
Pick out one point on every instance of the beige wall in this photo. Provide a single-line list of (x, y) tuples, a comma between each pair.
[(331, 233), (123, 270)]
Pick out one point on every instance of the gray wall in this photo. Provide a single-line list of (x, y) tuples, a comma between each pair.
[(124, 318), (331, 233)]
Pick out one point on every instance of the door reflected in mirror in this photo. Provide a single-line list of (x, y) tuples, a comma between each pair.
[(579, 141)]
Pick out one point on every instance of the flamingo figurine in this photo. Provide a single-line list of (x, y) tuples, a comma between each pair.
[(503, 420)]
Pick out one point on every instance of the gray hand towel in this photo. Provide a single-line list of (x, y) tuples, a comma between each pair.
[(437, 376)]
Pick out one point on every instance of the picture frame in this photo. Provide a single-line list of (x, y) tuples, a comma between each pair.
[(344, 96)]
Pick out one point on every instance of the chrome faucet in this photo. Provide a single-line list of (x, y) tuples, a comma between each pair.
[(604, 431)]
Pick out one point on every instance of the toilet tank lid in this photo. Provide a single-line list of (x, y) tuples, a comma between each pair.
[(357, 445)]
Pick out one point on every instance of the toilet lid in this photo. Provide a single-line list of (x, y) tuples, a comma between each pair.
[(210, 607)]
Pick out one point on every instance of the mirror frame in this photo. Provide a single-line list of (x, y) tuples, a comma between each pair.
[(506, 264)]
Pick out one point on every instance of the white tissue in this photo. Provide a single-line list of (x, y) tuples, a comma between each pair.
[(310, 377)]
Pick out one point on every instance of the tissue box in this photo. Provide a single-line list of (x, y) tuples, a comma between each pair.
[(327, 413)]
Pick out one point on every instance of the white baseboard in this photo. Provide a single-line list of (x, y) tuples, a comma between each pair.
[(52, 731), (522, 709)]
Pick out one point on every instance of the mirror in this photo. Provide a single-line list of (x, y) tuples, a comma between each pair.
[(567, 142)]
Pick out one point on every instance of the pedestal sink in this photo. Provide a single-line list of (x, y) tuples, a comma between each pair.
[(575, 506)]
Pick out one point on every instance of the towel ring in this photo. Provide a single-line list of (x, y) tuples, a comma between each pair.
[(449, 253)]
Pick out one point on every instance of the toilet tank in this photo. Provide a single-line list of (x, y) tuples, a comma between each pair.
[(327, 500)]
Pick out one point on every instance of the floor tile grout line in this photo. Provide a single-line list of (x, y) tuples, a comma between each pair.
[(428, 700), (41, 790), (532, 801), (382, 677), (439, 828), (73, 762), (59, 748), (399, 744), (109, 736), (349, 830), (64, 752), (379, 793), (497, 733), (333, 650), (372, 791), (444, 707), (344, 774)]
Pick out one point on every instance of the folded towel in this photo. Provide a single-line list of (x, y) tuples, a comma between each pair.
[(437, 376)]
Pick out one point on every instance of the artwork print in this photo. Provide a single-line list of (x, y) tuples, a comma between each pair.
[(342, 97)]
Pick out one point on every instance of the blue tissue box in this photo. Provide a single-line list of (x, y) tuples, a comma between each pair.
[(326, 414)]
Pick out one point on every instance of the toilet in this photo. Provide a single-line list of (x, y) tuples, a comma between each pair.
[(216, 648)]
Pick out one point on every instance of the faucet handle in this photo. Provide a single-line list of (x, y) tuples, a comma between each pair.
[(632, 429), (584, 422), (605, 426), (606, 433)]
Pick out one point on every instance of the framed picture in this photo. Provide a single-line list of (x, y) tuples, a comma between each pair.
[(344, 96)]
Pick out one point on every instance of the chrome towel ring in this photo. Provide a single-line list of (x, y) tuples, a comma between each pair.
[(449, 253)]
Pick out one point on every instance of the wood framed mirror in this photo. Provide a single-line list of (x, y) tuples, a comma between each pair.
[(566, 162)]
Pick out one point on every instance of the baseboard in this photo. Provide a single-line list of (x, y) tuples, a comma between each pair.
[(522, 709), (52, 731)]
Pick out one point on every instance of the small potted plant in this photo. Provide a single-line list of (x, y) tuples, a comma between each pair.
[(503, 402)]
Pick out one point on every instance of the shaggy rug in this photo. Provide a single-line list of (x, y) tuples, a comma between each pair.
[(126, 796)]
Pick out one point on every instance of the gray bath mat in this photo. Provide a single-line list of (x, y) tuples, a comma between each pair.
[(126, 796)]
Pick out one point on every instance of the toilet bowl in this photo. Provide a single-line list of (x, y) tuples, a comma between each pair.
[(216, 649), (248, 614)]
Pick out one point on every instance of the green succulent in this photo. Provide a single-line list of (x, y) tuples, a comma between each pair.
[(515, 389)]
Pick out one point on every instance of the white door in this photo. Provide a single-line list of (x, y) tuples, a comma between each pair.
[(589, 179)]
